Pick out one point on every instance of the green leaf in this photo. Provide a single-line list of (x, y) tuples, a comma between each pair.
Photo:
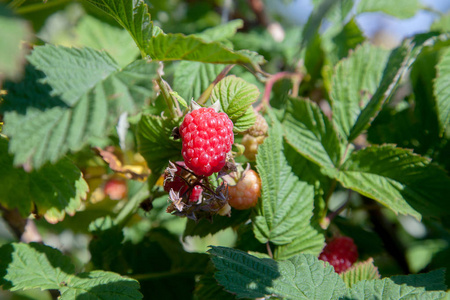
[(399, 179), (245, 121), (442, 24), (354, 82), (387, 289), (13, 32), (54, 189), (134, 17), (105, 247), (402, 9), (398, 62), (179, 99), (314, 57), (235, 95), (310, 241), (207, 288), (192, 78), (286, 205), (315, 20), (221, 32), (338, 13), (431, 281), (75, 101), (348, 38), (442, 90), (28, 266), (100, 285), (160, 262), (423, 117), (155, 142), (301, 277), (71, 71), (414, 124), (310, 132), (101, 36), (360, 271)]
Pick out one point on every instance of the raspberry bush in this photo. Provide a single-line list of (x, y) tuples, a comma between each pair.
[(220, 150)]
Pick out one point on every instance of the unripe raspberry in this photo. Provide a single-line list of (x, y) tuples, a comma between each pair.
[(207, 137), (116, 189), (260, 127), (246, 192), (341, 253), (225, 210), (251, 144)]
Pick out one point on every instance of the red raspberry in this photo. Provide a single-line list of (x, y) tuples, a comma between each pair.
[(207, 138), (246, 192), (180, 186), (115, 189), (341, 253)]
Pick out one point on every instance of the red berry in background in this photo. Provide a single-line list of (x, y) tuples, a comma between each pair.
[(246, 192), (341, 253), (181, 186), (116, 189), (207, 137)]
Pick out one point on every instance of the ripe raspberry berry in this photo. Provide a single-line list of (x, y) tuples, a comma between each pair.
[(115, 189), (178, 184), (341, 253), (207, 137), (246, 192)]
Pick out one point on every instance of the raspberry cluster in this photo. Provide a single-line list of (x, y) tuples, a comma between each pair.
[(341, 253), (207, 137), (178, 183)]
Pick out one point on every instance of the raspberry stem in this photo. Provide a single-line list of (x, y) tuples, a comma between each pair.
[(172, 104), (200, 179), (207, 93), (296, 80), (269, 250)]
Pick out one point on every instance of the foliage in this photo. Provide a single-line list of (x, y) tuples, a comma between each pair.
[(358, 145)]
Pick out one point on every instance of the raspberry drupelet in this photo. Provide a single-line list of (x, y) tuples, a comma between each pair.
[(207, 137)]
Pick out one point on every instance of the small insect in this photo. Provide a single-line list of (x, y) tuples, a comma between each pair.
[(146, 205)]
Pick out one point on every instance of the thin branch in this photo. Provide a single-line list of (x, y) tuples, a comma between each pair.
[(269, 251), (258, 8), (23, 229), (386, 231), (163, 86), (296, 80), (345, 154), (160, 275), (207, 93), (15, 221), (335, 213)]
